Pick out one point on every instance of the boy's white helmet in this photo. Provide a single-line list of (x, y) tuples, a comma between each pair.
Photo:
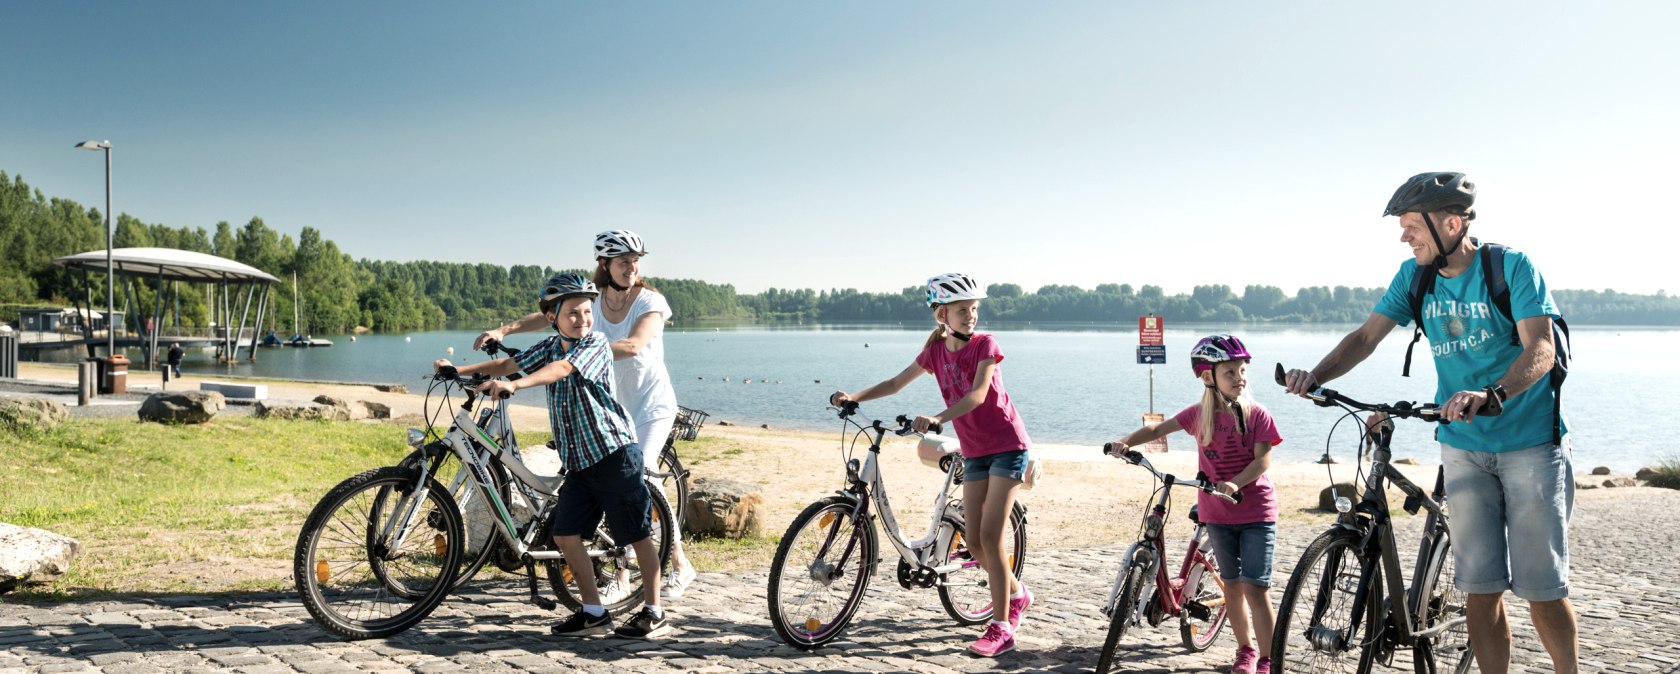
[(618, 242), (952, 287)]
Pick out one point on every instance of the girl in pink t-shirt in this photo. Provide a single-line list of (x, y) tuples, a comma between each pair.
[(1234, 438), (994, 441)]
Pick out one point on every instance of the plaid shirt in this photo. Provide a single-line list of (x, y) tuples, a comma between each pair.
[(588, 424)]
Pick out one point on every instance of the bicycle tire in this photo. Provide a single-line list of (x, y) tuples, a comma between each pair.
[(1199, 635), (1440, 601), (1311, 604), (673, 480), (808, 608), (970, 601), (1121, 618), (614, 557), (337, 553), (478, 516)]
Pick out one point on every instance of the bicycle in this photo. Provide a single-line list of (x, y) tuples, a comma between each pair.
[(382, 549), (671, 474), (1143, 592), (828, 555), (1347, 591)]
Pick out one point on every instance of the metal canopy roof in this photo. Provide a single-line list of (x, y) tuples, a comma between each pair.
[(173, 265)]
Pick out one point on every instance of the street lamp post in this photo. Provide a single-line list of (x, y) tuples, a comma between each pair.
[(110, 242)]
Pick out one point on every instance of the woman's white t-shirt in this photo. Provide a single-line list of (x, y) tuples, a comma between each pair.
[(640, 383)]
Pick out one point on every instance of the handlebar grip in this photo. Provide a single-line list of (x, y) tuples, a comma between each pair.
[(448, 372), (1278, 375), (1237, 497), (936, 429), (516, 376), (1107, 449), (504, 395)]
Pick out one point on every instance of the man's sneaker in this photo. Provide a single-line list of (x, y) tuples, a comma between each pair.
[(1245, 660), (581, 624), (996, 641), (676, 582), (1263, 666), (1018, 606), (644, 626), (614, 592)]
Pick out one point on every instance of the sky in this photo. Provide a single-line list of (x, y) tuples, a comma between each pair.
[(869, 144)]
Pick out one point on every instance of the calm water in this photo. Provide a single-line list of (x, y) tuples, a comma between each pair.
[(1074, 386)]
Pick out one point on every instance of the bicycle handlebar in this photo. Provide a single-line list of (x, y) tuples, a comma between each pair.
[(1135, 458), (1326, 397), (850, 407), (492, 347)]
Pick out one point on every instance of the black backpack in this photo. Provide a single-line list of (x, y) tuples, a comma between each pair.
[(1493, 271)]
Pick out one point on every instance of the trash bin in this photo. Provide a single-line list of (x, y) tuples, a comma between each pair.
[(8, 352), (114, 378)]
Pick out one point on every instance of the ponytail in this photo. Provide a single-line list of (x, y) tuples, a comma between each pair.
[(939, 329)]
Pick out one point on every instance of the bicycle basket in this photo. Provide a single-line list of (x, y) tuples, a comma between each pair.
[(689, 422)]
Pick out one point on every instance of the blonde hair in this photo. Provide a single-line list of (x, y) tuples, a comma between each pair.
[(939, 329), (1213, 405)]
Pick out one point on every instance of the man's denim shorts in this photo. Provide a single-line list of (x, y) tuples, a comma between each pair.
[(1509, 514)]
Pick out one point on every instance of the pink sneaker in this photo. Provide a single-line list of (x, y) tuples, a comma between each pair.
[(1263, 666), (1018, 607), (1245, 660), (996, 641)]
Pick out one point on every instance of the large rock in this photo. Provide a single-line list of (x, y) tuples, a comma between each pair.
[(32, 555), (182, 407), (301, 411), (723, 507), (1645, 473), (352, 410), (1601, 470), (377, 410), (1621, 482), (1327, 497), (39, 414)]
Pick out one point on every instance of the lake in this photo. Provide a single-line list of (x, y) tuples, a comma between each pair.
[(1074, 385)]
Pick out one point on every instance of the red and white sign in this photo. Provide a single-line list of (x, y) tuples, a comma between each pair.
[(1151, 329), (1158, 445)]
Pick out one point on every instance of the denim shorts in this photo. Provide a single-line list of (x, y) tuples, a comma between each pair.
[(1012, 465), (1509, 514), (612, 487), (1244, 551)]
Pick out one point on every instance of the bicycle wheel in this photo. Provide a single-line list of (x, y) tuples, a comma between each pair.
[(616, 562), (673, 483), (1317, 630), (478, 515), (1449, 650), (1125, 607), (362, 578), (820, 572), (1202, 587), (967, 592)]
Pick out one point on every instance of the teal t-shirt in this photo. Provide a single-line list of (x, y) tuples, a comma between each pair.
[(1471, 343)]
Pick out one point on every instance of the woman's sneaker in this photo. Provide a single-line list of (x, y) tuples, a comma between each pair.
[(644, 626), (1018, 606), (676, 582), (614, 592), (581, 624), (997, 640), (1245, 660)]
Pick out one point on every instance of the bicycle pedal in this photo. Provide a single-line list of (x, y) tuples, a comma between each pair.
[(544, 603)]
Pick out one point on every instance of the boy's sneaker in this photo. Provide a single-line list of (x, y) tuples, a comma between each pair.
[(581, 624), (613, 592), (1018, 606), (644, 626), (1245, 660), (1263, 666), (996, 641), (676, 582)]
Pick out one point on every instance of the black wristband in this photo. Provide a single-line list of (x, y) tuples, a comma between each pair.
[(1496, 391)]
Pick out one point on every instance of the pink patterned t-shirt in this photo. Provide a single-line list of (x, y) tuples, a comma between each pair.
[(993, 427), (1229, 455)]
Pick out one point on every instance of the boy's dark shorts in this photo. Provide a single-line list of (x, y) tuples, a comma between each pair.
[(613, 487)]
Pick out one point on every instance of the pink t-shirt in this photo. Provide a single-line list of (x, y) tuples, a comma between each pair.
[(1229, 455), (993, 427)]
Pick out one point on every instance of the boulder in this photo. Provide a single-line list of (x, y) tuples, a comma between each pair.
[(1585, 485), (377, 410), (281, 410), (1408, 461), (1601, 470), (38, 414), (1645, 473), (352, 410), (32, 555), (182, 407), (725, 507), (390, 388), (1327, 497), (1621, 482)]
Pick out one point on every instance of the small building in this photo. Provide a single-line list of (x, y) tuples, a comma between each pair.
[(68, 319)]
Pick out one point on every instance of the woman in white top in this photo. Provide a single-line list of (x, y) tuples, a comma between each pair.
[(632, 314)]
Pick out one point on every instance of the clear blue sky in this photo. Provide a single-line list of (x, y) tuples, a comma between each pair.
[(870, 144)]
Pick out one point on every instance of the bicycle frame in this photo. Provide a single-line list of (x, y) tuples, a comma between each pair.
[(867, 486), (1152, 551)]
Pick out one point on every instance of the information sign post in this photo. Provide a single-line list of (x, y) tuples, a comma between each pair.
[(1152, 351)]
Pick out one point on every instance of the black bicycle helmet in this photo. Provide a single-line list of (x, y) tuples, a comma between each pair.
[(1434, 191)]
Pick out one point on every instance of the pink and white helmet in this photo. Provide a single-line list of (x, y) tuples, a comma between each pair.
[(953, 287), (1215, 349)]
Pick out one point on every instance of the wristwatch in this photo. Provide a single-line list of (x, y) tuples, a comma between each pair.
[(1496, 391)]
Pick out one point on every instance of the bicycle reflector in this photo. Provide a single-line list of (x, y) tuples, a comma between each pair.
[(323, 572)]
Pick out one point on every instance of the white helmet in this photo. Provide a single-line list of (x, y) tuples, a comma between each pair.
[(618, 242), (952, 287)]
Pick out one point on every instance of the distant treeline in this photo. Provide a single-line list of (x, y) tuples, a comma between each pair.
[(338, 293)]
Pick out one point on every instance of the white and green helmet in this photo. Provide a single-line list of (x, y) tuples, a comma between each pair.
[(952, 287)]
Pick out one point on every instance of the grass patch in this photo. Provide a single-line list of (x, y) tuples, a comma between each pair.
[(1666, 474), (704, 449), (724, 555)]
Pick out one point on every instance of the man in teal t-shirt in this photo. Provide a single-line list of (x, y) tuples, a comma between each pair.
[(1508, 477)]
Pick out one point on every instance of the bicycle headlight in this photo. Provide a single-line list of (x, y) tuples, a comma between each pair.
[(416, 437), (1153, 523), (1344, 504)]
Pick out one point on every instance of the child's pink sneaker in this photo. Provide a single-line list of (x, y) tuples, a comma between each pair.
[(1263, 666), (1018, 606), (996, 641), (1245, 660)]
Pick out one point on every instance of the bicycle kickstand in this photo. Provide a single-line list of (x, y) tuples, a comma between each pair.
[(537, 600)]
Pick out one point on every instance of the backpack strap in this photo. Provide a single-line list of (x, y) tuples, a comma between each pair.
[(1493, 272), (1423, 282)]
